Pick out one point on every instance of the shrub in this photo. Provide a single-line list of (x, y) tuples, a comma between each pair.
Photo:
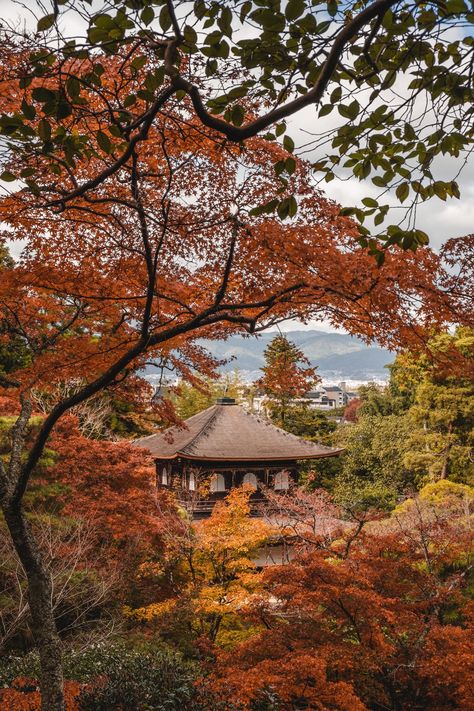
[(137, 680), (116, 677)]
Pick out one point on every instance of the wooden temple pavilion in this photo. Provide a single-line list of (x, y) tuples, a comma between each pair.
[(227, 446)]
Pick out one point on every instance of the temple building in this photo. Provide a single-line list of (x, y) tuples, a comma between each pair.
[(223, 447)]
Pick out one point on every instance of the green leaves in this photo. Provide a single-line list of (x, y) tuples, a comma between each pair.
[(130, 100), (190, 39), (402, 191), (332, 6), (288, 144), (44, 95), (44, 23), (290, 165), (28, 110), (138, 62), (294, 9), (370, 202), (325, 110), (55, 103), (104, 142), (407, 239), (285, 208), (350, 111), (44, 130), (7, 176), (106, 30), (269, 19), (456, 7), (225, 21), (265, 209), (285, 166), (147, 15), (237, 115), (73, 88), (165, 18), (262, 54)]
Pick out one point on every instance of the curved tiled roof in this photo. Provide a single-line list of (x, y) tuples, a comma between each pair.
[(228, 432)]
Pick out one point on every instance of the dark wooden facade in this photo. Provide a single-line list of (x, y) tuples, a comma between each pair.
[(223, 447), (199, 485)]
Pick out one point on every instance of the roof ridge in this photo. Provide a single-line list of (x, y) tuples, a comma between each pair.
[(175, 427), (233, 433), (203, 429), (269, 423)]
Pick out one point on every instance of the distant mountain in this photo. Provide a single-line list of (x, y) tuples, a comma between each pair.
[(366, 364), (337, 356)]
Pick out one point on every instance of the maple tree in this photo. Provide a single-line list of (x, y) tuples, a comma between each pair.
[(131, 256), (245, 68), (384, 622), (24, 696), (287, 375), (113, 485), (211, 564), (98, 516), (350, 413)]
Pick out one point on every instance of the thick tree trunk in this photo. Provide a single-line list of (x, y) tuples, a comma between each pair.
[(40, 600)]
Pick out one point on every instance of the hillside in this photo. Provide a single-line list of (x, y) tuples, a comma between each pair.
[(338, 356)]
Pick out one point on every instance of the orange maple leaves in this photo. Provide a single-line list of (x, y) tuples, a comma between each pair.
[(383, 622), (170, 246), (25, 696)]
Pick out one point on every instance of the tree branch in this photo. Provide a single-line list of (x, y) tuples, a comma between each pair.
[(236, 133), (111, 169)]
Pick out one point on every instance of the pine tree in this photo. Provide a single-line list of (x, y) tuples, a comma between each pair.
[(287, 375)]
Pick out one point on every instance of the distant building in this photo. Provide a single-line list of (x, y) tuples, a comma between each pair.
[(319, 399), (327, 397), (334, 395), (223, 447)]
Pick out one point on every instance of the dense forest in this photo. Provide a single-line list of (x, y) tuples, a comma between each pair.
[(157, 612)]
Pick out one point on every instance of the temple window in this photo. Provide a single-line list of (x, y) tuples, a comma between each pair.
[(251, 479), (217, 483), (164, 476), (192, 482), (281, 481)]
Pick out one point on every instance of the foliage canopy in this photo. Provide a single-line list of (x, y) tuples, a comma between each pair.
[(395, 78)]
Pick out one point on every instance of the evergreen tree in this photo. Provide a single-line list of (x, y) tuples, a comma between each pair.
[(191, 399), (287, 375), (419, 429)]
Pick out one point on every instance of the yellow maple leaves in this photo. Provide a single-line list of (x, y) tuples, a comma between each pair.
[(215, 565)]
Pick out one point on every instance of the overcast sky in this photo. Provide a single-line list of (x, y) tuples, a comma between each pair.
[(440, 220)]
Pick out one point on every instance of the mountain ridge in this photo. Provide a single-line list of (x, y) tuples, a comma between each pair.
[(337, 356)]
